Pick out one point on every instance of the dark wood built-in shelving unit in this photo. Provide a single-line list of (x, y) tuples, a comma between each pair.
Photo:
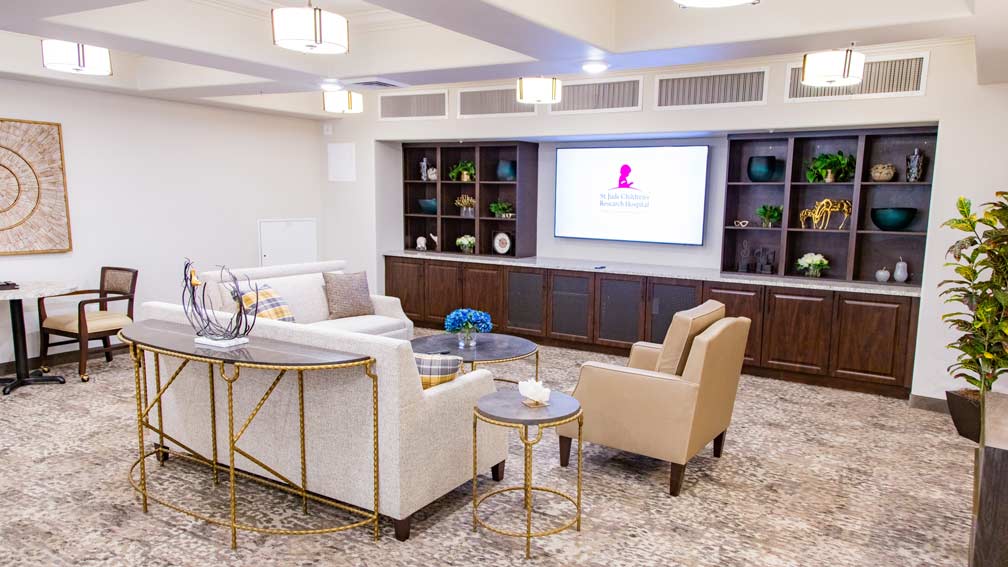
[(448, 224), (861, 248)]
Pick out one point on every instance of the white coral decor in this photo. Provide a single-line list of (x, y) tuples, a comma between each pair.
[(534, 391)]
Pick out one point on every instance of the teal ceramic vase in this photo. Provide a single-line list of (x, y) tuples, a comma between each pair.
[(762, 169), (505, 170)]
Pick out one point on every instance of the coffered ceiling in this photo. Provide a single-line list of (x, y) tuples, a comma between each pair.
[(220, 51)]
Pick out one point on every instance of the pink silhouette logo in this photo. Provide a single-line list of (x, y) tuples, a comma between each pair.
[(623, 182)]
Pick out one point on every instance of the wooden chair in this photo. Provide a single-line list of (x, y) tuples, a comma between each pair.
[(117, 284)]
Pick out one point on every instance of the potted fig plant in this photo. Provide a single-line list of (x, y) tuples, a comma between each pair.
[(980, 288), (502, 209), (830, 168), (466, 170)]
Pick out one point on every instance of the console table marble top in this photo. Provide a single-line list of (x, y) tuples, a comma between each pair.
[(674, 272)]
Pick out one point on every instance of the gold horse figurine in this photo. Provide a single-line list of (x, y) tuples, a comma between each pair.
[(823, 211)]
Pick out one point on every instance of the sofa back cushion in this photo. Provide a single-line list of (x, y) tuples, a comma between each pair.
[(300, 284), (347, 295), (686, 325)]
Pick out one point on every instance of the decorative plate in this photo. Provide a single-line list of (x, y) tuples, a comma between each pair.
[(502, 243)]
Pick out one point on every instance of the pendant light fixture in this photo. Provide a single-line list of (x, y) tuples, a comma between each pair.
[(714, 3), (835, 68), (342, 102), (310, 30), (70, 57), (539, 90)]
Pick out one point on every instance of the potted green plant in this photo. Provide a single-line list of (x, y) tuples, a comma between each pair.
[(770, 214), (828, 168), (466, 169), (502, 209), (980, 262)]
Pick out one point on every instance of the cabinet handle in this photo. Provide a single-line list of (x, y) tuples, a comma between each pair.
[(654, 305)]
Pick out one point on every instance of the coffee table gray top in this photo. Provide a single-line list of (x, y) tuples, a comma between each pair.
[(507, 406), (490, 347)]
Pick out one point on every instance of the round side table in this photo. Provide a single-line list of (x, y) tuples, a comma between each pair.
[(507, 409)]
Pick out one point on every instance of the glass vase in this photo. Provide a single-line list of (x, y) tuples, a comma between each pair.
[(466, 338), (814, 271)]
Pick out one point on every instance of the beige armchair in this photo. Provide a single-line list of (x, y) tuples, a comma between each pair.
[(672, 399)]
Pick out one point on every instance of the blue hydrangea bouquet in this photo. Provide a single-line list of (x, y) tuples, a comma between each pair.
[(466, 323)]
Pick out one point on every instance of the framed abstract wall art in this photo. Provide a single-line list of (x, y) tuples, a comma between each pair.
[(34, 214)]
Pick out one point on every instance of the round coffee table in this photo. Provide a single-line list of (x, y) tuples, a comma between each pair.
[(506, 408), (490, 348)]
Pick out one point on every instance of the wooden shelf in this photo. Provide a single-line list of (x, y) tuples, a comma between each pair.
[(450, 182), (773, 228), (854, 254), (498, 183), (417, 181), (458, 217), (894, 232), (512, 219), (421, 216)]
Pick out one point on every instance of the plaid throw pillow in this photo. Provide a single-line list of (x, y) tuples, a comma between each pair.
[(437, 368), (271, 304)]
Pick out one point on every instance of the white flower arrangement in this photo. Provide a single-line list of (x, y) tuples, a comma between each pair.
[(813, 264)]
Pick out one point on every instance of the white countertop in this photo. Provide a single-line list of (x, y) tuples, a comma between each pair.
[(34, 290), (658, 271)]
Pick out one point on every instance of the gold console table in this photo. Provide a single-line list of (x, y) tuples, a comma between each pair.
[(161, 338)]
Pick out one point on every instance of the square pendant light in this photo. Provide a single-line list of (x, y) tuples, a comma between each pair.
[(70, 57), (539, 90), (342, 102), (836, 68), (310, 30)]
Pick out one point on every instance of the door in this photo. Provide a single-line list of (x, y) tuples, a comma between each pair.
[(525, 301), (443, 290), (619, 307), (287, 241), (666, 297), (404, 278), (571, 306), (741, 300), (870, 334), (481, 289), (797, 330)]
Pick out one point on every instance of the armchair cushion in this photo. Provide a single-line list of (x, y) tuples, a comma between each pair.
[(97, 322), (686, 325)]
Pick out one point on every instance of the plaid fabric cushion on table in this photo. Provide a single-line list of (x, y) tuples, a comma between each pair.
[(437, 369)]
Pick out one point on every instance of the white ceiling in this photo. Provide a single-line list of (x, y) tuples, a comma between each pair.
[(220, 50)]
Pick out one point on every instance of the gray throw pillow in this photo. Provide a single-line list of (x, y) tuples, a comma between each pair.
[(347, 295)]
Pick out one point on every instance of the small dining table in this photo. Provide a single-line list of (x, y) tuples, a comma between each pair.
[(27, 290)]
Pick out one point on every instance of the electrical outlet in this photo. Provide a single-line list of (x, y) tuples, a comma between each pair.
[(327, 129)]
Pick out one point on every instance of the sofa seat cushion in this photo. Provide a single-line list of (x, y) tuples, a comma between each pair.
[(367, 324), (97, 322)]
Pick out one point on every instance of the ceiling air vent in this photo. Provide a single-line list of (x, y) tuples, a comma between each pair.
[(372, 83), (607, 95), (904, 76), (491, 101), (414, 106), (736, 88)]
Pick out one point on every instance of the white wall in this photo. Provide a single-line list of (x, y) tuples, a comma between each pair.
[(152, 182), (970, 152)]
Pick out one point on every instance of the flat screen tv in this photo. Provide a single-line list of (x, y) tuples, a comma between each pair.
[(634, 194)]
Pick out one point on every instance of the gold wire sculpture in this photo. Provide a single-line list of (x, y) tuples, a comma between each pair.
[(822, 212)]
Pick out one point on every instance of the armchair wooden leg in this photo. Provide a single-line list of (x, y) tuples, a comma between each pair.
[(44, 351), (565, 449), (402, 528), (82, 342), (719, 444), (676, 478), (497, 471), (107, 345)]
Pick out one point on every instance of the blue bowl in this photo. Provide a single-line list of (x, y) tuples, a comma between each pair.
[(428, 206), (893, 218)]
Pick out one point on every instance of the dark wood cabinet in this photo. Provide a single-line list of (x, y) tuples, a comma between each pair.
[(741, 300), (404, 279), (443, 287), (619, 308), (525, 301), (852, 340), (481, 289), (797, 330), (665, 297), (870, 334), (571, 306)]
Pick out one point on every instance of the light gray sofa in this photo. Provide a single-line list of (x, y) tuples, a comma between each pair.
[(303, 287), (425, 436)]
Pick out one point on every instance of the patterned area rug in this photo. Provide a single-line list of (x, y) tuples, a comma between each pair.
[(809, 476)]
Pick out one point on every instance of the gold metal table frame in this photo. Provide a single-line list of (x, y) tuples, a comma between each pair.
[(535, 353), (145, 407), (528, 488)]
